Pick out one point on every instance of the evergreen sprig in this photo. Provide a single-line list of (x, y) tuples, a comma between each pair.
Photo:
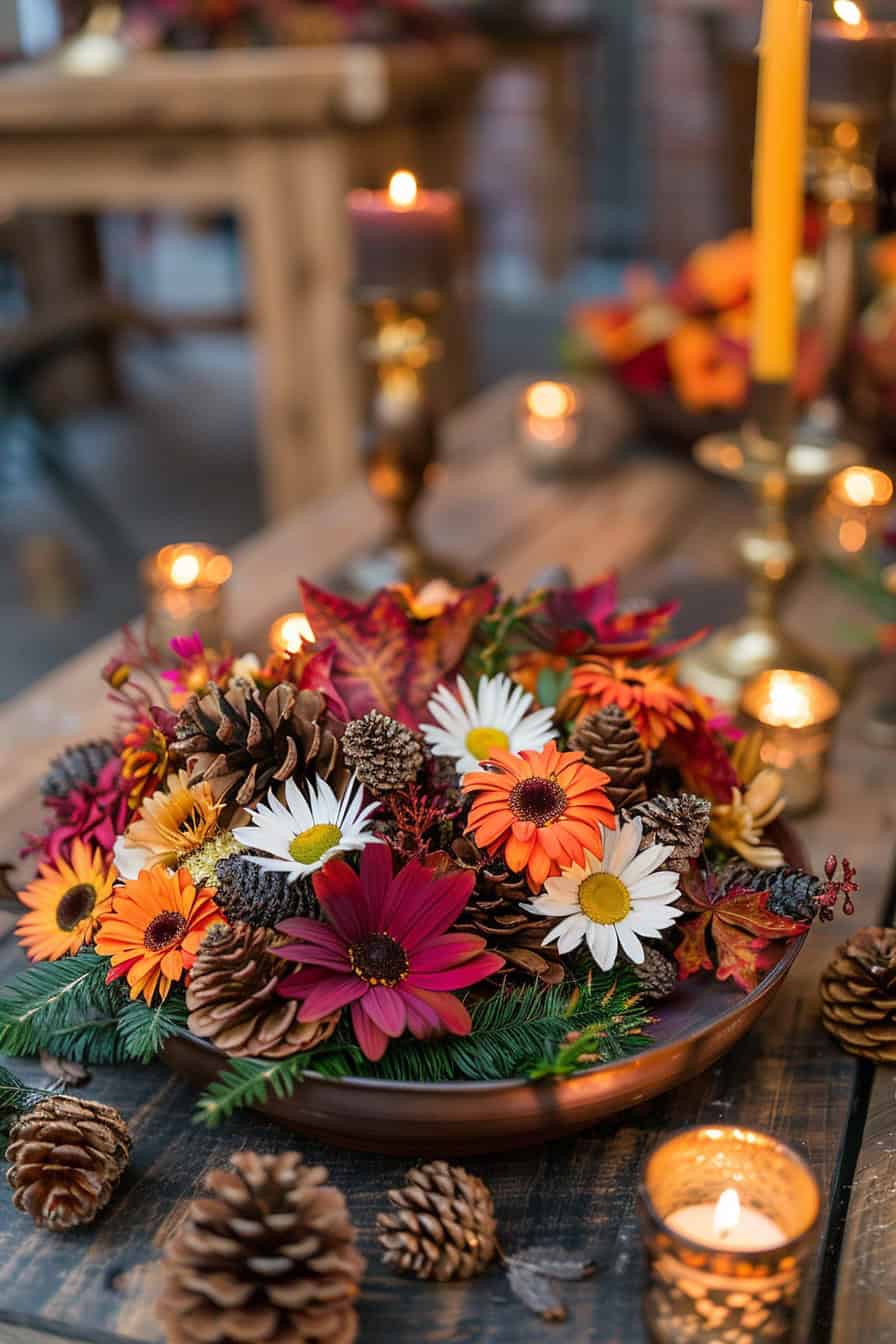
[(500, 634), (16, 1097), (248, 1082)]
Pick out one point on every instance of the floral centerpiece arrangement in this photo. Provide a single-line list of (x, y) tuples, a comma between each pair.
[(455, 836)]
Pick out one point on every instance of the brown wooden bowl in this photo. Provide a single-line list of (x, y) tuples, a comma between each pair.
[(697, 1025)]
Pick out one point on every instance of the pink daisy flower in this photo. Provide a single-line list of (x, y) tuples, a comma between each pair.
[(384, 950)]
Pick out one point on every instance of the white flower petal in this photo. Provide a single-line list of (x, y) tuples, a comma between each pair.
[(603, 945), (573, 930), (628, 841), (642, 864), (629, 942), (655, 884)]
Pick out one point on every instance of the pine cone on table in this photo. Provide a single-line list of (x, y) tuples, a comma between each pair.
[(495, 912), (657, 975), (858, 995), (248, 894), (680, 821), (442, 1225), (66, 1155), (233, 1001), (76, 766), (268, 1254), (382, 753), (611, 742), (792, 892), (243, 740)]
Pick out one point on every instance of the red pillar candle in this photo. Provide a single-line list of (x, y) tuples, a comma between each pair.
[(406, 239)]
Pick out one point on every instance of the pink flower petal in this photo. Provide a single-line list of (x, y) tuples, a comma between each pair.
[(409, 885), (334, 992), (419, 1012), (338, 889), (372, 1041), (456, 977), (387, 1010), (433, 908), (311, 931), (376, 876), (452, 1014), (309, 955), (446, 949)]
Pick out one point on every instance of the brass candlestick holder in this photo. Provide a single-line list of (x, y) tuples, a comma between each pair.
[(401, 351)]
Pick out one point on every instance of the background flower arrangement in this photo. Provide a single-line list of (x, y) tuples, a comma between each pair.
[(455, 836)]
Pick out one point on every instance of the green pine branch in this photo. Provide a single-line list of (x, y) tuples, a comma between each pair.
[(143, 1028), (16, 1097), (62, 1005), (248, 1082)]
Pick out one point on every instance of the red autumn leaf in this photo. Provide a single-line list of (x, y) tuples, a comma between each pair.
[(735, 933), (384, 657)]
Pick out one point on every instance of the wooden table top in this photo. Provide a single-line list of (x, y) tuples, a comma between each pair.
[(669, 529)]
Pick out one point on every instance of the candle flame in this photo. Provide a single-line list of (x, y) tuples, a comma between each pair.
[(185, 569), (788, 702), (864, 486), (849, 12), (291, 632), (551, 401), (727, 1214), (403, 189)]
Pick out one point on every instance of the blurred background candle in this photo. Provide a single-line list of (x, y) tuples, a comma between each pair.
[(794, 714), (406, 239), (854, 512), (729, 1218), (184, 585), (549, 424), (290, 632)]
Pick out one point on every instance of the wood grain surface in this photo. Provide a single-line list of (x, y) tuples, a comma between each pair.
[(671, 528)]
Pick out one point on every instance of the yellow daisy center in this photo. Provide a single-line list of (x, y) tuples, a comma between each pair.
[(481, 742), (311, 845), (604, 899), (74, 905)]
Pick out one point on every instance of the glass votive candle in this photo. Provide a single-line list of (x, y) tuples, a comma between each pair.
[(729, 1217), (794, 714), (854, 511), (290, 633), (549, 426), (184, 586)]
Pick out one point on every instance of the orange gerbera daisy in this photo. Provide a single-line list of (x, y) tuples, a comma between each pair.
[(153, 928), (542, 808), (649, 695), (65, 900), (144, 760)]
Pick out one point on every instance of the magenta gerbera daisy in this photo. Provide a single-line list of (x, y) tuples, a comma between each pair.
[(384, 950)]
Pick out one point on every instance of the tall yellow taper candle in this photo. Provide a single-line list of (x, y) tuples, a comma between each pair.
[(778, 184)]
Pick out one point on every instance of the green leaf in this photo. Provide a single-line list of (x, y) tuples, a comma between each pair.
[(552, 685), (247, 1082), (144, 1029)]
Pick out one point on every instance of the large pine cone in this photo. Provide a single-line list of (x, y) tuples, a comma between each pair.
[(381, 752), (66, 1156), (858, 995), (247, 894), (791, 891), (442, 1226), (267, 1254), (243, 741), (611, 742), (495, 912), (77, 766), (233, 1000), (680, 821)]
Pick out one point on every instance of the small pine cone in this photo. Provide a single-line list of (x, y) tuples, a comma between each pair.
[(680, 821), (611, 743), (381, 752), (76, 766), (233, 1000), (268, 1254), (247, 894), (442, 1227), (858, 995), (66, 1156), (792, 892), (244, 741), (657, 975)]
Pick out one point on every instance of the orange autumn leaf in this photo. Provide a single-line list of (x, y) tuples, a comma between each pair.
[(734, 934)]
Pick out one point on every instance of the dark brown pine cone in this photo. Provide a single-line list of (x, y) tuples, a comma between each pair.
[(791, 891), (657, 974), (495, 912), (243, 741), (611, 743), (247, 894), (858, 995), (382, 753), (76, 766), (680, 821), (267, 1253), (66, 1155), (441, 1226), (233, 1001)]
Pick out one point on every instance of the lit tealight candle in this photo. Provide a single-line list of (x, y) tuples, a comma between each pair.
[(549, 424), (793, 713), (727, 1224), (289, 633), (406, 239), (184, 586), (854, 512)]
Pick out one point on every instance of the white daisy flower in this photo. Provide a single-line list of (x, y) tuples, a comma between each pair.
[(303, 834), (468, 730), (612, 902), (130, 860)]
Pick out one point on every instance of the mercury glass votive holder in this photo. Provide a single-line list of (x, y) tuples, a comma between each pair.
[(794, 714), (184, 586), (702, 1290)]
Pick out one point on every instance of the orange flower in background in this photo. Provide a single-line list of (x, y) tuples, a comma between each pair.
[(144, 761), (65, 902), (152, 930), (542, 809), (721, 273), (649, 695), (706, 375), (882, 257)]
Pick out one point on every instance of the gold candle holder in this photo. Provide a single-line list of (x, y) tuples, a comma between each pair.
[(290, 633), (794, 714), (184, 585), (853, 513), (729, 1217)]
